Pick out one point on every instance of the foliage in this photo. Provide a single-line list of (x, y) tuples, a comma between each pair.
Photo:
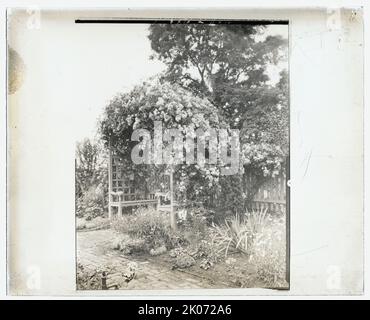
[(197, 221), (264, 135), (203, 250), (268, 121), (239, 232), (130, 245), (175, 107), (184, 260), (92, 203), (150, 226), (155, 100), (194, 228), (91, 180), (227, 64), (256, 221), (264, 158), (207, 250), (216, 77), (259, 236), (269, 254), (87, 278), (231, 199), (158, 251), (205, 214), (90, 166), (234, 234)]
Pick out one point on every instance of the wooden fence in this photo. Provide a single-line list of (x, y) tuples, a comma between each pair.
[(271, 195)]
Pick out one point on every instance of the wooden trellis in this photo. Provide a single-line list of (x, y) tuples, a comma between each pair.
[(122, 191)]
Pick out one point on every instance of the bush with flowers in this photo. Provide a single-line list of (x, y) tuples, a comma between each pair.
[(175, 107)]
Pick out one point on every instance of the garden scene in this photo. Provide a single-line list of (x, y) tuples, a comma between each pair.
[(184, 224)]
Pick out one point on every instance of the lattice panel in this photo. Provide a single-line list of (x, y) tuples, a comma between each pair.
[(119, 183)]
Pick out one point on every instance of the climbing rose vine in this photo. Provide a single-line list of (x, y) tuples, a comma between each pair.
[(175, 107)]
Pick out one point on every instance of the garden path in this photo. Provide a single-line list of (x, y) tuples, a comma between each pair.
[(94, 250)]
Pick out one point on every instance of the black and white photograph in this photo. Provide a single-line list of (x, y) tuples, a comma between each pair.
[(199, 153), (182, 183)]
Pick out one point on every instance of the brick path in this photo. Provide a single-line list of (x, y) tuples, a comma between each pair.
[(94, 249)]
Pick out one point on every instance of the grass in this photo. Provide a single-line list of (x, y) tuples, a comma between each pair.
[(239, 232), (232, 234)]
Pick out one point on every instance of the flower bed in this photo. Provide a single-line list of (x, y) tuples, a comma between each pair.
[(247, 250)]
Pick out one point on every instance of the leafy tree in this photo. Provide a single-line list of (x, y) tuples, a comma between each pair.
[(227, 64), (91, 179), (224, 63), (265, 140)]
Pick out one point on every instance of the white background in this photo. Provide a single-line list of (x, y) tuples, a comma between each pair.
[(325, 233)]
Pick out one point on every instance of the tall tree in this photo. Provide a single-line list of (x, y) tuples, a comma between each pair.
[(89, 165), (91, 179), (225, 63)]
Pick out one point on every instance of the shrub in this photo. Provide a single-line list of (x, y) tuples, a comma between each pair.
[(208, 251), (91, 204), (98, 223), (194, 227), (230, 197), (151, 226), (204, 213), (184, 260), (88, 279), (129, 245)]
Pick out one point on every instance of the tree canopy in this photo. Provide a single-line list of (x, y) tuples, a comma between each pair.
[(216, 77), (228, 65), (224, 63)]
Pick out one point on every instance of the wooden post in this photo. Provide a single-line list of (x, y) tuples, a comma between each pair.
[(172, 211), (119, 213), (109, 180), (158, 202)]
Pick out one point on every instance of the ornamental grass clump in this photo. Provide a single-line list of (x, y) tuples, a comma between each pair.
[(233, 234)]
